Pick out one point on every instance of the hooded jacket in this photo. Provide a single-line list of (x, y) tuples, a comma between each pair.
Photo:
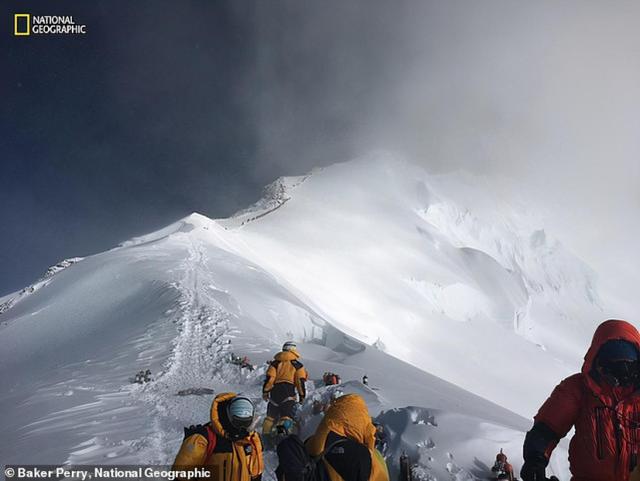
[(230, 460), (355, 458), (288, 375), (606, 443)]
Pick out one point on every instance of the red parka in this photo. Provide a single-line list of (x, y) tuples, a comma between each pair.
[(607, 420)]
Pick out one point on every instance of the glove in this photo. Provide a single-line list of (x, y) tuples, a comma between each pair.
[(265, 396), (536, 443), (532, 471), (300, 399)]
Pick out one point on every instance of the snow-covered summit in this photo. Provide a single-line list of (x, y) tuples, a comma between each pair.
[(436, 267)]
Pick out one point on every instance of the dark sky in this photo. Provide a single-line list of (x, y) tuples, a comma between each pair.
[(165, 108), (150, 116), (114, 133)]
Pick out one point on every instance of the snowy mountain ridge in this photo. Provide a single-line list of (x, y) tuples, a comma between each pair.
[(274, 196), (470, 291), (449, 249)]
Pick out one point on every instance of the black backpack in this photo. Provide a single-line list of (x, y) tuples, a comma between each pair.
[(296, 464)]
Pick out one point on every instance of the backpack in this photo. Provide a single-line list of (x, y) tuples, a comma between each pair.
[(205, 431), (296, 464)]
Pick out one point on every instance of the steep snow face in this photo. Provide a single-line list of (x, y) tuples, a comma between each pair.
[(562, 291), (448, 275)]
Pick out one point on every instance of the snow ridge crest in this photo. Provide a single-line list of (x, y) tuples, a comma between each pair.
[(274, 196), (39, 284)]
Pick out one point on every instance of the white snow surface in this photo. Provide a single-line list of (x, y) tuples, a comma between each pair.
[(479, 310)]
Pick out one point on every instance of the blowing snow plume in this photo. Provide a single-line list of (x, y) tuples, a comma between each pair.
[(542, 94)]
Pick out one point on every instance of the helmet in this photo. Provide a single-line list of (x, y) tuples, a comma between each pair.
[(240, 412), (289, 346)]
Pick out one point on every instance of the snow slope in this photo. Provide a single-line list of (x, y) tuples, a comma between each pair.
[(467, 294), (444, 272)]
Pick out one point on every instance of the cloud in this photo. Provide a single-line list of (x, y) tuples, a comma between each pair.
[(542, 92)]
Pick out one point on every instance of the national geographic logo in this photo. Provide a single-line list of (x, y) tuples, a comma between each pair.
[(25, 24)]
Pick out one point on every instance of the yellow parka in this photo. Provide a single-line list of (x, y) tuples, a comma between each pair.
[(286, 368), (349, 417), (239, 460)]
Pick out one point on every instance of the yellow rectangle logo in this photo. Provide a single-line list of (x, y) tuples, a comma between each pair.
[(21, 30)]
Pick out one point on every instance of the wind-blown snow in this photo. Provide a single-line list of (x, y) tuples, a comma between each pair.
[(449, 277), (485, 306)]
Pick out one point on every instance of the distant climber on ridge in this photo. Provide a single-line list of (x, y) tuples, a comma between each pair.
[(330, 379), (286, 377), (502, 469)]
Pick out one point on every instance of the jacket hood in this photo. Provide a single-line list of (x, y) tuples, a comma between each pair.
[(607, 331), (286, 356), (348, 416), (216, 423), (255, 463)]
